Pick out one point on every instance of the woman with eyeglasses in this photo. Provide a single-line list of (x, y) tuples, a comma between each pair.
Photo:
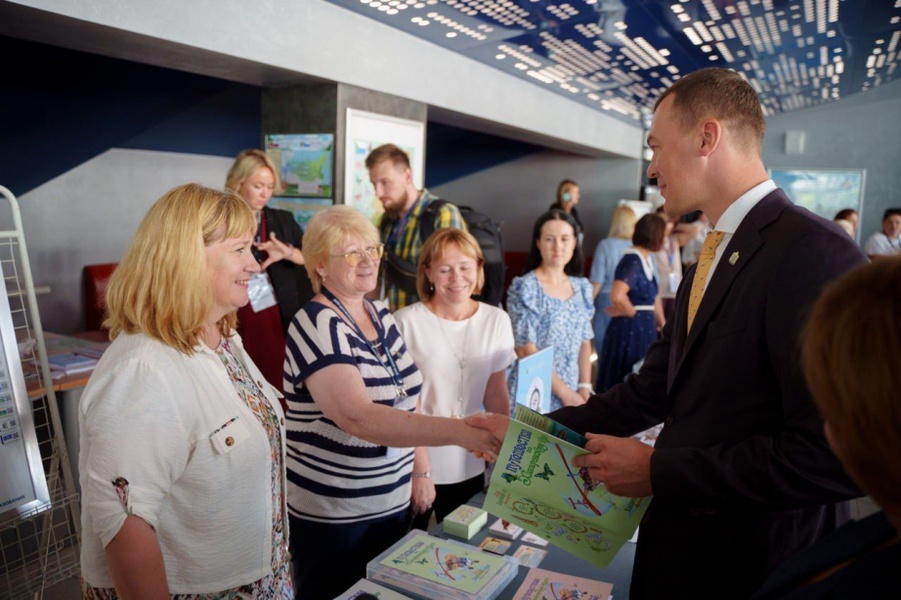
[(353, 428)]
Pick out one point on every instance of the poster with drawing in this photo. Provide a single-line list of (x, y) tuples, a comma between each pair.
[(533, 380), (366, 131)]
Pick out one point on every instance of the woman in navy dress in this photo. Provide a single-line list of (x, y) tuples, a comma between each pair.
[(636, 310)]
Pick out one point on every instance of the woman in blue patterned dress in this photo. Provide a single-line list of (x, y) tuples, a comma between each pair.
[(551, 305), (636, 309)]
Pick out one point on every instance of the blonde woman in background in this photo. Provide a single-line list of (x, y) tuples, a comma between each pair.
[(463, 348), (282, 286), (607, 255)]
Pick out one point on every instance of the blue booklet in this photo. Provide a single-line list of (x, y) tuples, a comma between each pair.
[(533, 380)]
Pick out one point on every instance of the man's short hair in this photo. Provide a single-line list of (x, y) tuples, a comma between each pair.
[(722, 94), (388, 152)]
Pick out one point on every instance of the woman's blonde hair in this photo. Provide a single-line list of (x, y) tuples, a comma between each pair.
[(246, 164), (161, 287), (435, 248), (622, 224), (850, 351), (328, 230)]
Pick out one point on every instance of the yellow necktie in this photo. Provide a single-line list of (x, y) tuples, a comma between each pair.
[(705, 261)]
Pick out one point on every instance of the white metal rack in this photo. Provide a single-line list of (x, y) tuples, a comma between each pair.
[(38, 547)]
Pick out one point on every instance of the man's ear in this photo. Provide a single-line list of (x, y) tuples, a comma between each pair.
[(408, 176), (711, 134)]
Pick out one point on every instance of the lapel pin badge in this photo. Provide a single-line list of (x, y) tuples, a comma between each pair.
[(734, 258)]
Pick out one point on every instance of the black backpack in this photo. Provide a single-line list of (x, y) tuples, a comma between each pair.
[(486, 232)]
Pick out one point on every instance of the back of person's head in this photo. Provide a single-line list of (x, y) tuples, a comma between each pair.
[(245, 165), (845, 213), (564, 192), (328, 231), (161, 287), (650, 231), (622, 224), (533, 260), (388, 152), (435, 248), (850, 351), (722, 94)]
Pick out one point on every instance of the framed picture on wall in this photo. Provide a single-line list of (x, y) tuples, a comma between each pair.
[(366, 131), (305, 162), (823, 191), (303, 209)]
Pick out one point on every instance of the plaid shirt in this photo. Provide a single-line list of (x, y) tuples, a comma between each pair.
[(407, 243)]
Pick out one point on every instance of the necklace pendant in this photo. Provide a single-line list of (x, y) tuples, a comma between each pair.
[(401, 392)]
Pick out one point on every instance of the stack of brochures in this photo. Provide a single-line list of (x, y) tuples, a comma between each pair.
[(426, 566), (465, 521), (62, 365)]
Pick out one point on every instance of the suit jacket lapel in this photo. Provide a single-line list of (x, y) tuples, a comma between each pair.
[(743, 246)]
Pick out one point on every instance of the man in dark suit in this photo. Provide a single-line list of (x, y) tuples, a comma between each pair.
[(741, 474)]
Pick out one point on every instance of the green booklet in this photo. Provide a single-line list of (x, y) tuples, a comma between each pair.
[(535, 486), (433, 567)]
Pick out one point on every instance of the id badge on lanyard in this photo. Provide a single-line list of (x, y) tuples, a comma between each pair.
[(262, 295)]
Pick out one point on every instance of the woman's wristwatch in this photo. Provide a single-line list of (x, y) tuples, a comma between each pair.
[(587, 386), (423, 475)]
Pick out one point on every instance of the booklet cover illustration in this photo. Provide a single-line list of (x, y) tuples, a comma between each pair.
[(434, 567), (535, 486), (541, 584), (533, 380)]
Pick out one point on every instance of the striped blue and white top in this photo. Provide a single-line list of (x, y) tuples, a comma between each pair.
[(334, 477)]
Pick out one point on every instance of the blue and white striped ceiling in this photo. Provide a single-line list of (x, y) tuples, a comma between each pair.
[(618, 55)]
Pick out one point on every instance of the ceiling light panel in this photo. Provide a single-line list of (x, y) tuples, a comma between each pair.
[(617, 56)]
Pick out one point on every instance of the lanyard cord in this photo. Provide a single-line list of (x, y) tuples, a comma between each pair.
[(394, 371), (261, 237)]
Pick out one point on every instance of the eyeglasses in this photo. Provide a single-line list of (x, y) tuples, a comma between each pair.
[(356, 257)]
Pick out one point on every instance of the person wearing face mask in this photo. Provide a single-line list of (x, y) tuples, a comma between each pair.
[(568, 196), (463, 373), (282, 287)]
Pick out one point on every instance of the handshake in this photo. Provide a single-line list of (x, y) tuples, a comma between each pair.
[(486, 431)]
